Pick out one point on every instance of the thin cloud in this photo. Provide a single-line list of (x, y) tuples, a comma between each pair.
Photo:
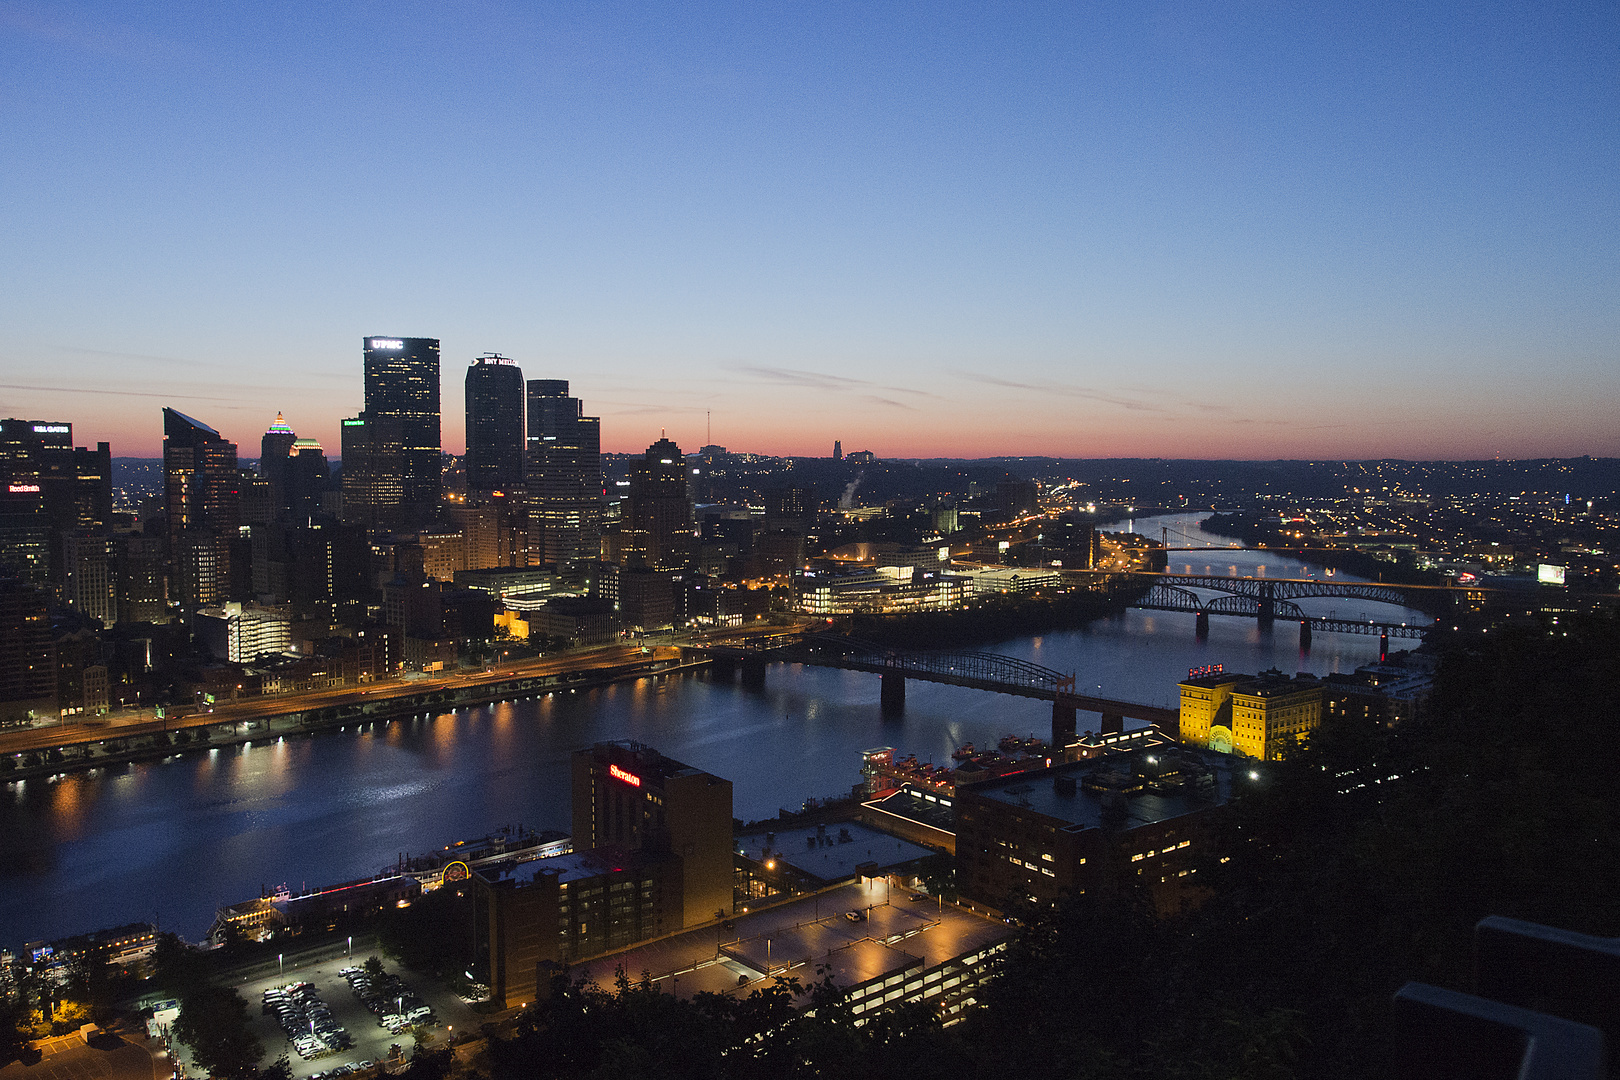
[(1064, 390), (815, 380), (109, 393), (79, 351)]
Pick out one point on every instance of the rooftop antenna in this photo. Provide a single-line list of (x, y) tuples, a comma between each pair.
[(708, 427)]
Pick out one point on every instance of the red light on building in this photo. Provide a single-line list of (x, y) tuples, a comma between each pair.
[(619, 774)]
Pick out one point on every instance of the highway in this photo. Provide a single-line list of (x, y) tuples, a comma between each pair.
[(255, 708)]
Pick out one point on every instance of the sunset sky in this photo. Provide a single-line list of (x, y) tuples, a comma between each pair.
[(1229, 229)]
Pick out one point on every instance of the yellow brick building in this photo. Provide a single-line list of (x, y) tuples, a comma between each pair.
[(1250, 715)]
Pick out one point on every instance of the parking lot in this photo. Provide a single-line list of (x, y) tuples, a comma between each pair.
[(108, 1057), (370, 1040)]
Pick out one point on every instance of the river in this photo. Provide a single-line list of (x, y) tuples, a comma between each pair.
[(174, 840)]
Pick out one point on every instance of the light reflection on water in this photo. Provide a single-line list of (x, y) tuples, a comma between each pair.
[(184, 836)]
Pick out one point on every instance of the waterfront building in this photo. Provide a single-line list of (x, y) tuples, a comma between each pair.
[(242, 633), (27, 653), (203, 509), (652, 855), (916, 814), (879, 589), (50, 490), (882, 946), (1101, 825), (1387, 693), (402, 386), (495, 434), (563, 478), (629, 795), (1253, 715)]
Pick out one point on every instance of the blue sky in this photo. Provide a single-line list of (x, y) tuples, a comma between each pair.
[(1204, 230)]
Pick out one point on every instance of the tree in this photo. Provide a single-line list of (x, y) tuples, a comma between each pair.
[(213, 1021), (16, 1035)]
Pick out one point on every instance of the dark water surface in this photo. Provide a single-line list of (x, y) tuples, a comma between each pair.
[(176, 839)]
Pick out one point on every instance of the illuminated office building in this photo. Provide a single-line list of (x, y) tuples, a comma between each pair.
[(202, 504), (373, 473), (564, 478), (402, 386), (656, 520), (494, 425)]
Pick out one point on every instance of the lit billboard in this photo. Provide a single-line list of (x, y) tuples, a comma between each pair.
[(1549, 574)]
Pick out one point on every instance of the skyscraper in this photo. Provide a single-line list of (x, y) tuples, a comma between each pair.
[(203, 507), (274, 454), (494, 425), (657, 517), (402, 385), (373, 473), (564, 478)]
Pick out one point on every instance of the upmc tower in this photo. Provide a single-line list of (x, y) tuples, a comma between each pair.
[(402, 384)]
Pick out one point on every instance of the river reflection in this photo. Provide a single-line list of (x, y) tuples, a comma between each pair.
[(177, 839)]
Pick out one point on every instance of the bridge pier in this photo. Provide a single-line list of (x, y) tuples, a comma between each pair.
[(1383, 646), (722, 667), (1201, 628), (1304, 635), (892, 695), (753, 672), (1063, 726)]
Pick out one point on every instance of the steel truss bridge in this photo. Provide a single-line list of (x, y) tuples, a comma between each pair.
[(976, 670), (1272, 599)]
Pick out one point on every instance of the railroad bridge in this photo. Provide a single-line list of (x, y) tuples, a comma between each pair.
[(1270, 599), (977, 670)]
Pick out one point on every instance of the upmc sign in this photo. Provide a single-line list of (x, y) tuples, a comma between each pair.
[(628, 777), (386, 343)]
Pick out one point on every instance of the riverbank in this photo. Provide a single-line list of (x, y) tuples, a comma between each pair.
[(1254, 533), (998, 618), (82, 748)]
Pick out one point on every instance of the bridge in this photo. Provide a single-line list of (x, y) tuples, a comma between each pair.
[(976, 670), (1267, 606)]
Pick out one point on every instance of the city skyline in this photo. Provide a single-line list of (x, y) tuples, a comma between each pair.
[(943, 232)]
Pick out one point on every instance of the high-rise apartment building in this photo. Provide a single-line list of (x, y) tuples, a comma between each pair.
[(402, 385), (495, 432), (202, 502), (564, 478)]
